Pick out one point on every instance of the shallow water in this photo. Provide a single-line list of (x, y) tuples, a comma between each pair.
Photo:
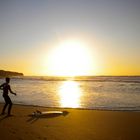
[(105, 93)]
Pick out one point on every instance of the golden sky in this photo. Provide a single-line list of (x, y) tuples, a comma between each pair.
[(70, 37)]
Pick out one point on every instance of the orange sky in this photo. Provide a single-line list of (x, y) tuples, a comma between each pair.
[(33, 31)]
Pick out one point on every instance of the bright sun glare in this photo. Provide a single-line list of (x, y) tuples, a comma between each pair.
[(70, 94), (70, 58)]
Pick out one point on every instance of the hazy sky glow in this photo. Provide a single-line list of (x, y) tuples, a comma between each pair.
[(31, 29)]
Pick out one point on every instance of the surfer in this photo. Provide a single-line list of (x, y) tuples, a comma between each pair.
[(6, 88)]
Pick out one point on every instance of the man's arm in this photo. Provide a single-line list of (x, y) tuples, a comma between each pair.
[(11, 91), (1, 86)]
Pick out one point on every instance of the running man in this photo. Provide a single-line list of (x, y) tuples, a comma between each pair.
[(6, 88)]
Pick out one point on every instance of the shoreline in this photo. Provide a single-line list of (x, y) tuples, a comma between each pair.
[(94, 109)]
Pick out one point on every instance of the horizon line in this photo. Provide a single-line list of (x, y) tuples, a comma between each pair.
[(78, 75)]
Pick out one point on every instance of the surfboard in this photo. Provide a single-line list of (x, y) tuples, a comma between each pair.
[(40, 113)]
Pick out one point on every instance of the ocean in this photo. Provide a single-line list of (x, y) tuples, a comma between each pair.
[(92, 92)]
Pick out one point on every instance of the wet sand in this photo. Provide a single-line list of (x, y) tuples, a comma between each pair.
[(77, 124)]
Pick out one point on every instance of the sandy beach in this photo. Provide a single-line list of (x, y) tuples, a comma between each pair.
[(77, 124)]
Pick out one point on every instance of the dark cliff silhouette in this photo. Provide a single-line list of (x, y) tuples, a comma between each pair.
[(4, 73)]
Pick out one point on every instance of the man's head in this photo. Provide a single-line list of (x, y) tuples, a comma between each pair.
[(7, 79)]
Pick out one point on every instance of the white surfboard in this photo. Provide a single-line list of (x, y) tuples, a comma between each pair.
[(40, 113)]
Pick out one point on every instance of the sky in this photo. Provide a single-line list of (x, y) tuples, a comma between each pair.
[(30, 30)]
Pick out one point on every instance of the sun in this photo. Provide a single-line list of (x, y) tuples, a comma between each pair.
[(70, 58)]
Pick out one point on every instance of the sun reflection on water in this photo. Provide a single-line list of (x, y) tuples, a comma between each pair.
[(70, 94)]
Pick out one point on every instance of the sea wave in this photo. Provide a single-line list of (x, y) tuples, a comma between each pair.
[(128, 79)]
